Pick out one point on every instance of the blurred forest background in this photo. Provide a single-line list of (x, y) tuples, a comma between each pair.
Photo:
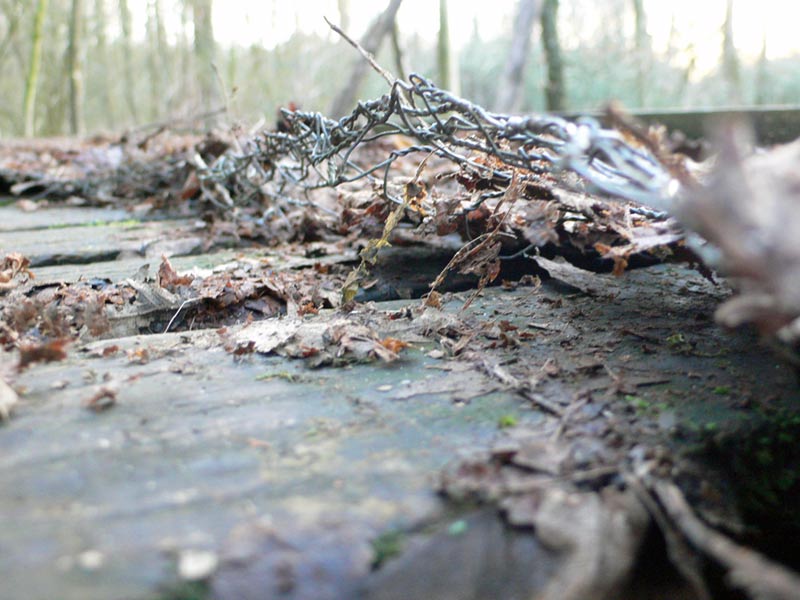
[(88, 66)]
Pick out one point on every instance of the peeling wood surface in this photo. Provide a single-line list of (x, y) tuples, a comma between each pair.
[(13, 219), (96, 243)]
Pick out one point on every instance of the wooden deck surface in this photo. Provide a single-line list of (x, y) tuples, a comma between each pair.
[(203, 449)]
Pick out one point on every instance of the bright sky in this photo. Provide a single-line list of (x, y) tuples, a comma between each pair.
[(697, 22)]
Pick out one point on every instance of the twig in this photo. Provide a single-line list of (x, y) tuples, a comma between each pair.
[(390, 79), (494, 370), (679, 552), (567, 415), (748, 570), (177, 312)]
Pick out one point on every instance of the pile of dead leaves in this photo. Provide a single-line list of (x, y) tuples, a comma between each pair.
[(744, 213)]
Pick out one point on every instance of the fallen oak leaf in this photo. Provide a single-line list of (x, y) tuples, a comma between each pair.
[(51, 351)]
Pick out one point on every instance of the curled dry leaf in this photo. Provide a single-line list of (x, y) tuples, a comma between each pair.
[(168, 277)]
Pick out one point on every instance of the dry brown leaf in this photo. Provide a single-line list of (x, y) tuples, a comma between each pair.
[(33, 352), (393, 344), (168, 278)]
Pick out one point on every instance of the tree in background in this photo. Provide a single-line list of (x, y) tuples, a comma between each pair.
[(511, 83), (554, 88), (12, 11), (144, 65), (731, 69), (102, 60), (397, 51), (158, 63), (371, 42), (204, 52), (642, 48), (29, 103), (762, 76), (74, 67), (127, 59), (447, 61)]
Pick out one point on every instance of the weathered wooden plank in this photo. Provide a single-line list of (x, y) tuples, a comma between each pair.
[(14, 219), (76, 244), (92, 505), (117, 270), (122, 268), (201, 443)]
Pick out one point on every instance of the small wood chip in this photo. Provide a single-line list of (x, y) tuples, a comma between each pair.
[(8, 399)]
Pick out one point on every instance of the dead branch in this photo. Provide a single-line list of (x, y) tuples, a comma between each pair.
[(747, 569), (371, 43)]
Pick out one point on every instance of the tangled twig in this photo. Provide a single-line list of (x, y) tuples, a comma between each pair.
[(315, 151)]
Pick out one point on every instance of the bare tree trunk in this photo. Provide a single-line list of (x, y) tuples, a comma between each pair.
[(554, 90), (510, 93), (155, 59), (447, 63), (53, 95), (204, 52), (127, 59), (730, 60), (642, 48), (397, 51), (762, 76), (371, 42), (74, 68), (177, 98), (101, 43), (29, 103), (13, 15)]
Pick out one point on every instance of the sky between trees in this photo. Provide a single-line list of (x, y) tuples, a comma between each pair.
[(111, 64)]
